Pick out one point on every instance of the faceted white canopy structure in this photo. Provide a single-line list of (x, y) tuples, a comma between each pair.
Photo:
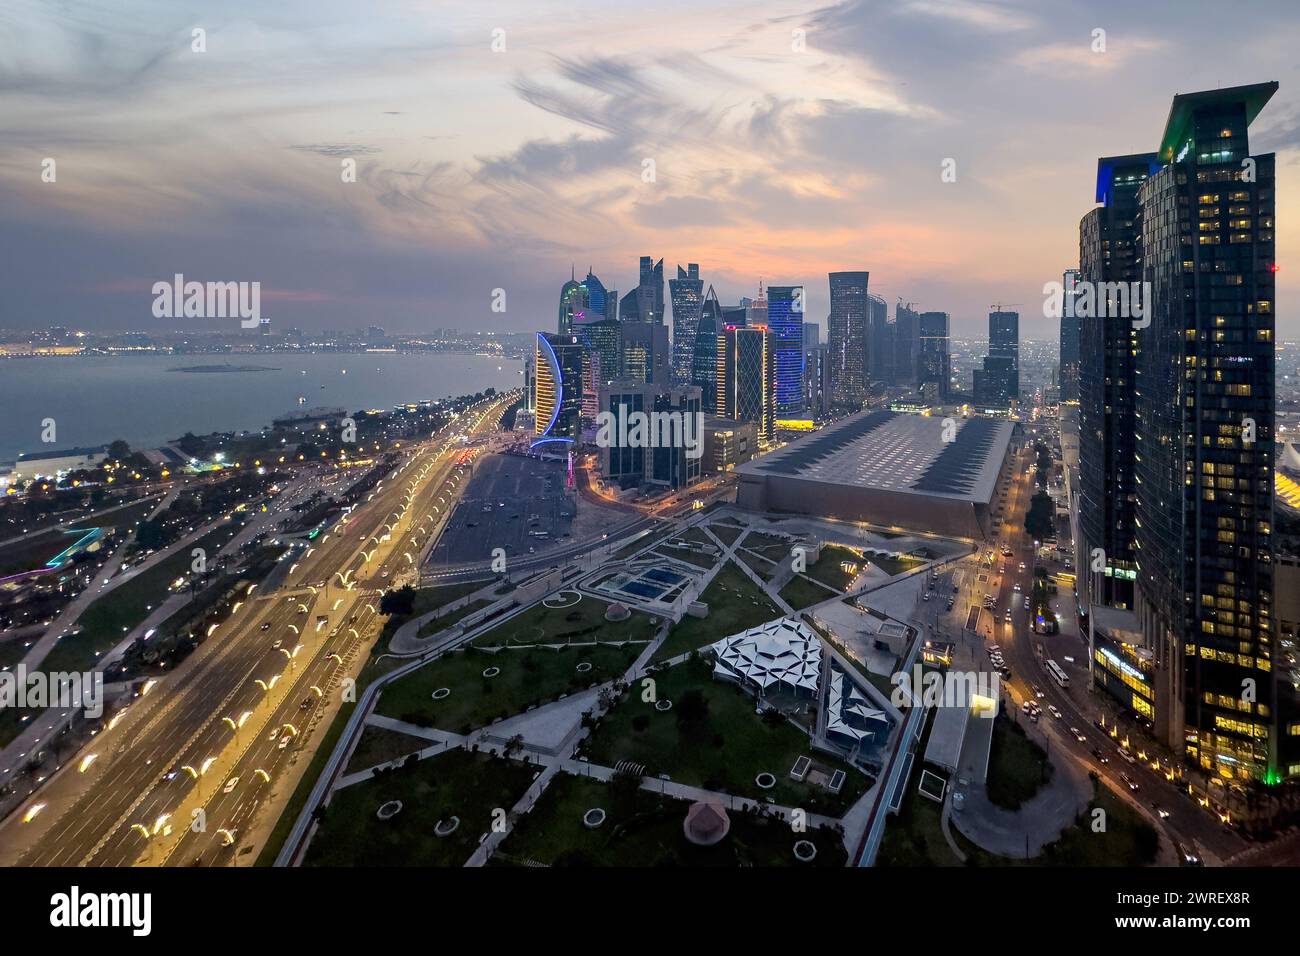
[(781, 654), (850, 714)]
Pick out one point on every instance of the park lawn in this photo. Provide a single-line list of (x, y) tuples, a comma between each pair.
[(457, 783), (1128, 840), (12, 650), (771, 546), (583, 622), (731, 598), (726, 533), (379, 745), (447, 620), (107, 620), (800, 592), (827, 570), (696, 535), (528, 677), (645, 829), (914, 837), (430, 599), (764, 568), (1018, 767), (14, 720), (641, 543), (725, 751), (705, 561), (891, 564)]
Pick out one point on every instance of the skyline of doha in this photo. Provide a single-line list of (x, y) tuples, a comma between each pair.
[(789, 140)]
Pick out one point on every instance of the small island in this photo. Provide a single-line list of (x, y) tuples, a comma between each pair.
[(227, 367)]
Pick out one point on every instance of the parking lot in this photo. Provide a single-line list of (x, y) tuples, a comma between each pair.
[(512, 502)]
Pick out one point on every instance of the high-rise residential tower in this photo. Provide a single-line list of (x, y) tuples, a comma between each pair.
[(1068, 369), (687, 295), (1204, 419), (747, 377), (1110, 241), (934, 357), (847, 336)]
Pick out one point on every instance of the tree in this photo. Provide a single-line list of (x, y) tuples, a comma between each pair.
[(118, 450), (693, 708), (1038, 520), (400, 601)]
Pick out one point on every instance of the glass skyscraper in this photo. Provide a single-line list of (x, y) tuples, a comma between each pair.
[(687, 295), (846, 330), (1204, 423)]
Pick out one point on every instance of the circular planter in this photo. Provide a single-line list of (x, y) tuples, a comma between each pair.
[(445, 828), (663, 705), (765, 781), (583, 667), (805, 851), (561, 599), (491, 671), (440, 693), (389, 810), (593, 818)]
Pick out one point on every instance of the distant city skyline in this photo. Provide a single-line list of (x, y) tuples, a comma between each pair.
[(782, 141)]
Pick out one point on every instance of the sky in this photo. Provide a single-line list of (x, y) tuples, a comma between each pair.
[(497, 145)]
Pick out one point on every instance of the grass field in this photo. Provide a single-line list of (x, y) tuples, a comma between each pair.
[(379, 745), (1018, 767), (458, 783), (735, 603), (583, 622), (725, 751), (527, 677), (727, 533), (771, 546), (645, 829), (108, 619), (799, 592), (764, 568), (827, 570), (690, 557), (447, 620)]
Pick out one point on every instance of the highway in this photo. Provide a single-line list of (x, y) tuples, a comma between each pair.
[(174, 750)]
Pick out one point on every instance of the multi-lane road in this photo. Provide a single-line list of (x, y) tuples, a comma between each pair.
[(187, 768), (1165, 803)]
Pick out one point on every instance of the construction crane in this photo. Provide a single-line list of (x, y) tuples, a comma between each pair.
[(998, 307)]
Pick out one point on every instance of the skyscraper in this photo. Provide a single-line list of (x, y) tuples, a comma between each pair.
[(687, 294), (785, 322), (558, 385), (573, 299), (645, 303), (1110, 241), (847, 336), (1204, 421), (812, 335), (907, 344), (934, 357), (704, 361), (998, 382), (747, 377), (816, 380), (1068, 377), (646, 355)]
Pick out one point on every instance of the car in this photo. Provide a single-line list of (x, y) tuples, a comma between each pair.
[(231, 784), (273, 734), (1051, 709), (1026, 707), (1161, 812), (1123, 752), (1026, 602), (1129, 781), (1189, 858), (1038, 691), (1099, 756), (305, 703), (1078, 735), (925, 596), (266, 625), (284, 741), (1008, 616), (1022, 565), (950, 604), (1016, 586)]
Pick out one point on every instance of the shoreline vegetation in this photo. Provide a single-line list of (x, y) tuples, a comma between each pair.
[(224, 368)]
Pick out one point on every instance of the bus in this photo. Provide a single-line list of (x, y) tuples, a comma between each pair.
[(1058, 675)]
